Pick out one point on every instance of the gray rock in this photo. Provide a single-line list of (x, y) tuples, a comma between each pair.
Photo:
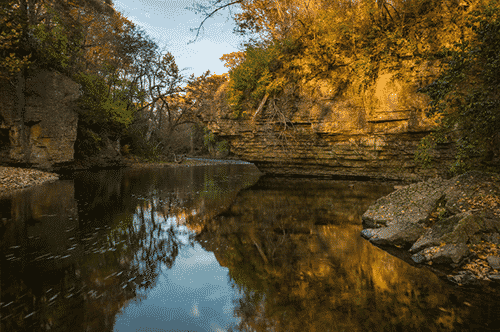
[(411, 204), (368, 233), (492, 237), (465, 185), (398, 234), (451, 254), (419, 258), (494, 277), (447, 254), (439, 219), (494, 262), (455, 229), (464, 278)]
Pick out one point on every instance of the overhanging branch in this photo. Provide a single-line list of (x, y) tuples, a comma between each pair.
[(211, 14)]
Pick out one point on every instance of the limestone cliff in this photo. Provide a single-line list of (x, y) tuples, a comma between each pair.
[(38, 123), (310, 130)]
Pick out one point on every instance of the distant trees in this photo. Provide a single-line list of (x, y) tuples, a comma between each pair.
[(131, 90)]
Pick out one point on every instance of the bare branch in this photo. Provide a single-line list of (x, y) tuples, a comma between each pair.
[(211, 14)]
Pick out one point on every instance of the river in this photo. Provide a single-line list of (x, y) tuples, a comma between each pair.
[(213, 248)]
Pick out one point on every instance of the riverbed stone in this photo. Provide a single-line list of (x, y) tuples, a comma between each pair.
[(464, 278), (494, 262), (459, 228), (411, 204), (444, 254), (16, 178), (494, 277), (459, 221), (451, 254), (397, 234), (491, 237)]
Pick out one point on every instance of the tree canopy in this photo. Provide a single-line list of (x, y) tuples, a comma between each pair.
[(130, 89)]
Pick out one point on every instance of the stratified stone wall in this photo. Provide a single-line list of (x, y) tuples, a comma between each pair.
[(373, 134), (43, 131)]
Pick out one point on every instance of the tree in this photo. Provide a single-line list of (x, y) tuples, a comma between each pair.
[(36, 29), (37, 34), (466, 94)]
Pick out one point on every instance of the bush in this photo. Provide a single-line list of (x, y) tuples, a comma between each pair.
[(253, 78)]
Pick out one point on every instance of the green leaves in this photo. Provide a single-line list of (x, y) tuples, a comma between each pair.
[(467, 92), (54, 45), (253, 77), (98, 105), (11, 58)]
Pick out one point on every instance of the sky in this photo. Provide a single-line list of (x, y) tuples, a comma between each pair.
[(168, 23)]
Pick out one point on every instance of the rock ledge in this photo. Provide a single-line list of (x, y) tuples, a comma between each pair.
[(453, 225)]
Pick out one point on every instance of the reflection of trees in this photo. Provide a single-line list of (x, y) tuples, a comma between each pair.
[(91, 260), (115, 265), (296, 274)]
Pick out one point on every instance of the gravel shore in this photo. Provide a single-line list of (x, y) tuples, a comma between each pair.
[(15, 178)]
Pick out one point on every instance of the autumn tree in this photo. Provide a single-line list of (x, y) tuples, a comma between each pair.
[(38, 34), (37, 31), (114, 59)]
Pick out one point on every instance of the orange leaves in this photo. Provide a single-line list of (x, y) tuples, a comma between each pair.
[(233, 59), (103, 36)]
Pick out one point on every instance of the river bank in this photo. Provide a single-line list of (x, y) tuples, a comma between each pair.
[(452, 226), (16, 178)]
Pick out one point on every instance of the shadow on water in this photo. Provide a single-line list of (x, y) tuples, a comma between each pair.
[(212, 249)]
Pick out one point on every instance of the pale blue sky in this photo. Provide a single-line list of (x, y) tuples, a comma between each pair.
[(169, 23)]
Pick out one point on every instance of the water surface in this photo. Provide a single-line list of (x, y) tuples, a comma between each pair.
[(213, 248)]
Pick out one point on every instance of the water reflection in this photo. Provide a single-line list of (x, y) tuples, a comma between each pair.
[(75, 252), (297, 272), (189, 249)]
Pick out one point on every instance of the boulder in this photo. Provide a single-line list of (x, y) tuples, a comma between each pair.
[(446, 254), (396, 234), (411, 204), (494, 262), (456, 229), (452, 223)]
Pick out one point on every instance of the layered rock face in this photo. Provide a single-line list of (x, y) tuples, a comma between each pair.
[(38, 123), (373, 133)]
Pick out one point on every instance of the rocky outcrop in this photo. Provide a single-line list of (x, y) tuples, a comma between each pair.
[(454, 224), (309, 130), (38, 122)]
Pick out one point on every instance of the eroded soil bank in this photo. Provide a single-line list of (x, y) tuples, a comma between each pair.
[(451, 225)]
